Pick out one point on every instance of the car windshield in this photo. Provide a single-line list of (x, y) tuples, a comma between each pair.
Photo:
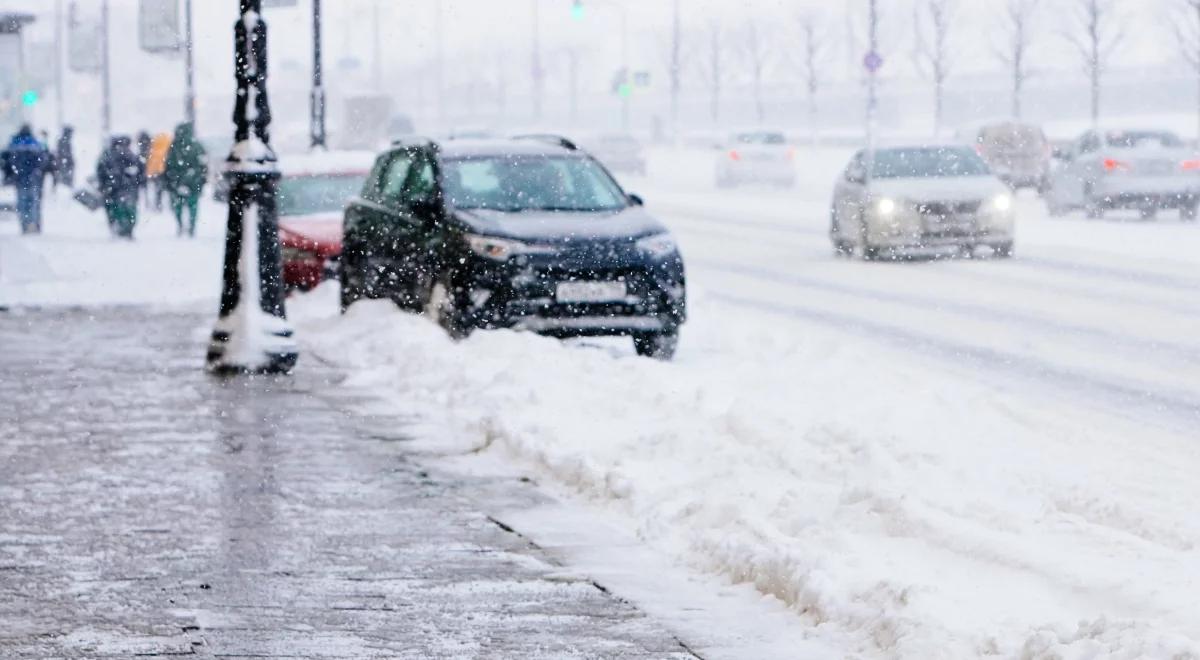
[(760, 138), (318, 193), (1143, 139), (531, 183), (923, 162)]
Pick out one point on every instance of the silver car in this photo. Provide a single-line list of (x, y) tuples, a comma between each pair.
[(918, 198), (1146, 170), (757, 157), (1018, 153)]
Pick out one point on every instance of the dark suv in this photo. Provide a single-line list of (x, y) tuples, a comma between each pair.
[(529, 233)]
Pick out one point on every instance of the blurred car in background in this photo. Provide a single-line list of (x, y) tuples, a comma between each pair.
[(313, 192), (757, 156), (1146, 170), (1017, 153), (920, 197), (619, 152)]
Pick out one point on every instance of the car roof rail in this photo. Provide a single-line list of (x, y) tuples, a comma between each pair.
[(414, 141), (564, 142)]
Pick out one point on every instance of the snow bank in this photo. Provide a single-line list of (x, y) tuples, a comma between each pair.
[(899, 510)]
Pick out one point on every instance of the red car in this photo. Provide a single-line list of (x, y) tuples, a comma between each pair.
[(313, 191)]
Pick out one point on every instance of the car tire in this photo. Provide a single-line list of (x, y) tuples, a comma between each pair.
[(1189, 212), (445, 308), (869, 252), (658, 345), (1091, 206), (1003, 250), (350, 294)]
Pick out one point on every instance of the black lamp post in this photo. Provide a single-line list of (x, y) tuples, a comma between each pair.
[(252, 334)]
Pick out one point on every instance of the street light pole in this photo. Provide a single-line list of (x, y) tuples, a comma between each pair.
[(58, 65), (252, 335), (189, 66), (105, 75), (317, 104), (625, 65)]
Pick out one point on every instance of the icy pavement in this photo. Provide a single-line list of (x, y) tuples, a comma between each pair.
[(147, 509)]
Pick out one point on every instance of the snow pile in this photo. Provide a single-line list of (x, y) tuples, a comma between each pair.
[(898, 509)]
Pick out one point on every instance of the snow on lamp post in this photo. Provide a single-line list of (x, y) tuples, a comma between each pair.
[(252, 334)]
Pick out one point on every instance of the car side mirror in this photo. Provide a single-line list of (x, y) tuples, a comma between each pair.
[(635, 200), (427, 209), (856, 176)]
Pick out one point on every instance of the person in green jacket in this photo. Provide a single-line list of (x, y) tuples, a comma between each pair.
[(185, 175)]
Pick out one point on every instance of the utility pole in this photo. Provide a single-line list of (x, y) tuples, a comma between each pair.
[(676, 65), (536, 69), (377, 59), (439, 78), (317, 103), (873, 61), (252, 335), (189, 66), (105, 75), (58, 65), (625, 65)]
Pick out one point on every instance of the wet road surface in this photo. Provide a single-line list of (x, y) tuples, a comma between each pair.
[(149, 510)]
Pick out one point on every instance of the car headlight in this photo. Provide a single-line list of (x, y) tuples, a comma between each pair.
[(658, 245), (500, 249), (885, 206), (1002, 202)]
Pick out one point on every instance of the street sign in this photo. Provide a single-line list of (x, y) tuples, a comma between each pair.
[(641, 78), (158, 26), (872, 61)]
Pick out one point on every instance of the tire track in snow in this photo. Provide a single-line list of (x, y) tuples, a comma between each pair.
[(1178, 411), (996, 276), (1170, 352)]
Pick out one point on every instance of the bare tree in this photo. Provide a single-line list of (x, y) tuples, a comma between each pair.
[(754, 44), (1187, 33), (713, 62), (674, 70), (1096, 34), (813, 50), (932, 24), (1017, 30)]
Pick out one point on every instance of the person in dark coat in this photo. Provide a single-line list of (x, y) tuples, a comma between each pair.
[(120, 175), (64, 173), (25, 165), (185, 175), (145, 143)]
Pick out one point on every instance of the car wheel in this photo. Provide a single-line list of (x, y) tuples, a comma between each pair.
[(1189, 212), (869, 252), (1091, 206), (657, 345), (445, 308), (1003, 251), (350, 293), (1148, 212)]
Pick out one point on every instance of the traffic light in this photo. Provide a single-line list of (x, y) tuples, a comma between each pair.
[(29, 98), (577, 10)]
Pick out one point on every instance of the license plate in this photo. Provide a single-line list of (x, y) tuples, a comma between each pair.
[(589, 292)]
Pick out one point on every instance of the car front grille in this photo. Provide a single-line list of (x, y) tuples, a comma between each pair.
[(948, 209)]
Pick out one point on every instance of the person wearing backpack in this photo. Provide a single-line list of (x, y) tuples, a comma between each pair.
[(185, 175)]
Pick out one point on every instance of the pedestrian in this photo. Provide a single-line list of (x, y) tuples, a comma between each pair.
[(186, 172), (64, 173), (25, 164), (144, 144), (120, 175), (155, 167)]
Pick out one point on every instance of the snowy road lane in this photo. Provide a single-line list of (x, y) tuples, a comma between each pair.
[(1120, 334)]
